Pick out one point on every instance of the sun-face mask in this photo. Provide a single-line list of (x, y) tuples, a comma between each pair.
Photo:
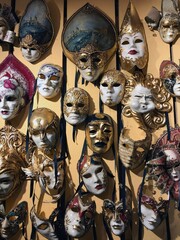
[(44, 226), (7, 24), (11, 223), (93, 174), (153, 206), (49, 80), (133, 49), (79, 217), (133, 153), (170, 75), (99, 132), (35, 30), (76, 106), (112, 87), (86, 45), (44, 128), (16, 87)]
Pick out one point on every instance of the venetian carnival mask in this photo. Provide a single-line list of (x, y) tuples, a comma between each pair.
[(35, 30), (170, 75), (79, 217), (76, 105), (153, 206), (141, 99), (133, 153), (152, 19), (16, 87), (49, 80), (44, 226), (112, 87), (86, 45), (44, 128), (7, 24), (93, 174), (99, 132), (11, 223), (169, 25), (133, 50), (116, 216)]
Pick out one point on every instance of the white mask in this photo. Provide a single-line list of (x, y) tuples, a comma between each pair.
[(174, 170), (117, 226), (132, 46), (176, 87), (141, 100), (49, 80), (30, 54)]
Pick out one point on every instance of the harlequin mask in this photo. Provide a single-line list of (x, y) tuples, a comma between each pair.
[(16, 87), (44, 128), (169, 23), (10, 223), (44, 226), (93, 174), (117, 217), (79, 217), (35, 30), (7, 24), (112, 87), (141, 99), (133, 49), (153, 207), (133, 153), (170, 75), (49, 80), (86, 45), (99, 132), (76, 105)]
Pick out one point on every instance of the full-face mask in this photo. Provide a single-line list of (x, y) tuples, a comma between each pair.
[(76, 106), (153, 206), (35, 30), (12, 222), (44, 226), (116, 215), (170, 75), (16, 87), (86, 45), (93, 174), (169, 24), (44, 128), (133, 153), (133, 49), (49, 80), (7, 24), (79, 217), (99, 132), (112, 87)]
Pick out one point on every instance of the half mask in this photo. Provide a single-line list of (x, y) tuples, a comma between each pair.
[(133, 49), (35, 30), (99, 132), (133, 153), (16, 87), (89, 40), (49, 80), (76, 106), (44, 226), (12, 222), (170, 75), (44, 128), (93, 173), (79, 217), (112, 87)]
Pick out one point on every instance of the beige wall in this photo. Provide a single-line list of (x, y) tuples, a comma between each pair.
[(158, 52)]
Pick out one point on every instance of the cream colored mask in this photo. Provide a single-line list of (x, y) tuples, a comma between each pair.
[(99, 132), (112, 87), (49, 80), (133, 49), (76, 106)]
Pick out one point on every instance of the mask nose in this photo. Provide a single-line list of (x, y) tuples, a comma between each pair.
[(143, 99), (5, 223), (3, 102), (42, 135)]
